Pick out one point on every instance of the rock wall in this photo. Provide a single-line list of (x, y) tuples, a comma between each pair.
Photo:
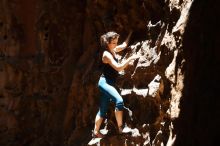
[(151, 87), (49, 70)]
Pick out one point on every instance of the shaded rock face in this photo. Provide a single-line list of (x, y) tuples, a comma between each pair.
[(199, 117), (40, 44), (49, 69)]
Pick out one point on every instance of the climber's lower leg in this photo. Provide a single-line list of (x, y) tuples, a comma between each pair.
[(119, 117), (98, 123)]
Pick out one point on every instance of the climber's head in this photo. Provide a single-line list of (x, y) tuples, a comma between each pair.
[(109, 40)]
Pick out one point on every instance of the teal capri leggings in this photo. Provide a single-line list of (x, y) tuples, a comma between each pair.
[(108, 93)]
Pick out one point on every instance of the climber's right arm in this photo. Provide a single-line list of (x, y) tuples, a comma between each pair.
[(108, 58)]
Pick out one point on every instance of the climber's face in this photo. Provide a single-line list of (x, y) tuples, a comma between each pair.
[(113, 43)]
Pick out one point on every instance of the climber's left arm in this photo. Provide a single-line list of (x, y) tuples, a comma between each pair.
[(120, 47), (124, 44)]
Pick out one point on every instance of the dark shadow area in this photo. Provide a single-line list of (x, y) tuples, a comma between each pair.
[(198, 124)]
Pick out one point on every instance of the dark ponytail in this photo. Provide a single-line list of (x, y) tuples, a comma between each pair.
[(103, 41)]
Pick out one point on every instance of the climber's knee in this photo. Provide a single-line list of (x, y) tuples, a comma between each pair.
[(119, 104)]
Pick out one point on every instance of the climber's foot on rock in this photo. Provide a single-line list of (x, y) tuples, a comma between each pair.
[(98, 135), (124, 130)]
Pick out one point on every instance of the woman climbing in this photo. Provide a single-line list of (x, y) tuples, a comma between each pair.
[(108, 78)]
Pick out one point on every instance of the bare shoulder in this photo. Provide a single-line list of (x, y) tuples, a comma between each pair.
[(106, 57)]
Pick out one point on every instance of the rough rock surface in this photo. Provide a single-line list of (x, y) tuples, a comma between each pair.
[(49, 70)]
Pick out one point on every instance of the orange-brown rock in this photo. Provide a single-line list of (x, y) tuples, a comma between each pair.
[(49, 69)]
